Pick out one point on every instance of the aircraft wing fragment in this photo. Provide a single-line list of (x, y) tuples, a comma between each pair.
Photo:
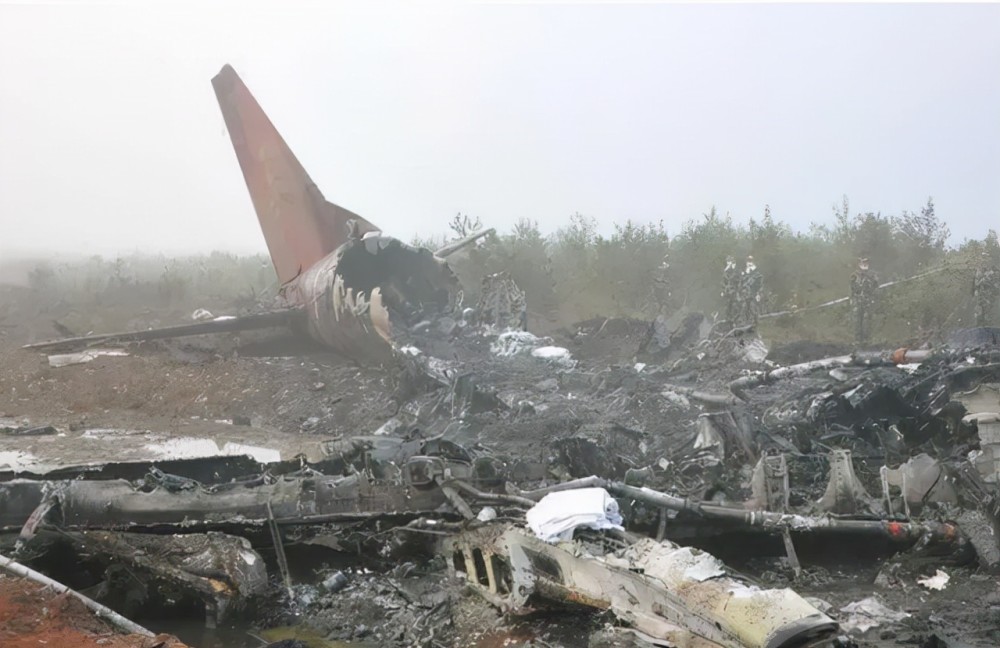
[(255, 321)]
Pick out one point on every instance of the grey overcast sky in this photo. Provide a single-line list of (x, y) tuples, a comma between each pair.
[(407, 113)]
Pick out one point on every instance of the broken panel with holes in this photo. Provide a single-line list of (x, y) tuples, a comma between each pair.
[(671, 595)]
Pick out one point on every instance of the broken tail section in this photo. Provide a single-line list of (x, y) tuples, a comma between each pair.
[(299, 224)]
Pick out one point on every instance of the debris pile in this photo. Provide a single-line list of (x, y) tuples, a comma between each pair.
[(542, 483)]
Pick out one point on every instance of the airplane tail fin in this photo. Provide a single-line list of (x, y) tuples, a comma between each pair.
[(299, 224)]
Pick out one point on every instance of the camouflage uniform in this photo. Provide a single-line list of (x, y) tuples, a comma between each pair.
[(985, 290), (750, 293), (864, 288), (731, 290), (661, 284)]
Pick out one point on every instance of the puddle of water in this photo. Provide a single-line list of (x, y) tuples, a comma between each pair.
[(193, 448), (310, 638), (194, 633), (16, 460), (263, 455)]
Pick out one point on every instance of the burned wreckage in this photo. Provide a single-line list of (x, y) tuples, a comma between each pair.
[(869, 451), (616, 470)]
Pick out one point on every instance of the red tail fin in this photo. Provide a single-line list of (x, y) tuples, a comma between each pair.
[(299, 225)]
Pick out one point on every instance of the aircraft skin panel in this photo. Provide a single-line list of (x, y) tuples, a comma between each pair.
[(300, 226)]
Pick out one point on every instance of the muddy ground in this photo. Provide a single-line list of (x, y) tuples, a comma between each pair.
[(165, 397), (32, 615)]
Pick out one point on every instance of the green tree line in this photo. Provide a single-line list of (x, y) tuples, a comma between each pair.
[(642, 270)]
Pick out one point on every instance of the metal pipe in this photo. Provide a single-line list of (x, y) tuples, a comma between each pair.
[(489, 497), (585, 482), (856, 359), (791, 371), (905, 532)]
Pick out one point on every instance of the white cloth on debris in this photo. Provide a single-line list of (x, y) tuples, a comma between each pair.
[(556, 516)]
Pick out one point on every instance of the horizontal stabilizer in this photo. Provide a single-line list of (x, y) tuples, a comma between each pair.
[(217, 325)]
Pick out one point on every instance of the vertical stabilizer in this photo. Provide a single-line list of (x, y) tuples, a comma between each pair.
[(299, 225)]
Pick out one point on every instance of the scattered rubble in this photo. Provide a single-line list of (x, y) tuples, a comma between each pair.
[(626, 475)]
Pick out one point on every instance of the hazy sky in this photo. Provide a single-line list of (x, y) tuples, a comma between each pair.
[(407, 113)]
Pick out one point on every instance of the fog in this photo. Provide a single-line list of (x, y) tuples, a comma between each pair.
[(111, 139)]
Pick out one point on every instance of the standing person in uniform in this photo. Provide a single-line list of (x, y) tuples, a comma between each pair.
[(731, 290), (864, 289), (751, 292), (661, 286), (985, 289)]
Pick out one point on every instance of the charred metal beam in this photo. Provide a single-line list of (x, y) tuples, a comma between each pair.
[(121, 504), (902, 532), (896, 531), (857, 359)]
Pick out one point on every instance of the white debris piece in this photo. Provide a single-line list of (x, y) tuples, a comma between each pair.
[(868, 613), (515, 343), (680, 400), (66, 359), (557, 355), (936, 582), (389, 427), (839, 374), (486, 514), (556, 516), (639, 366), (694, 565), (202, 315), (512, 343)]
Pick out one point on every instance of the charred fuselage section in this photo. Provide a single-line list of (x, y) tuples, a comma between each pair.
[(355, 298)]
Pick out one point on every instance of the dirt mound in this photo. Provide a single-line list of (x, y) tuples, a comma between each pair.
[(32, 615)]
